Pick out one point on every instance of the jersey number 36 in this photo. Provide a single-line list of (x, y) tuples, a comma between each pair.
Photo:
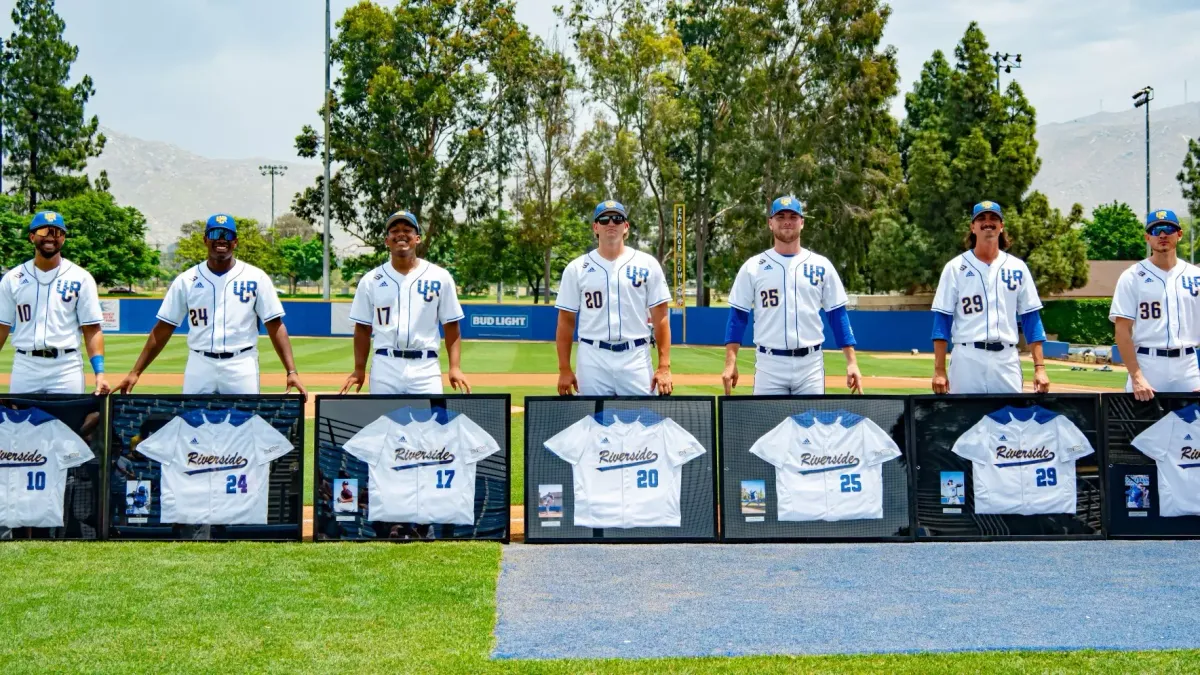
[(1150, 310)]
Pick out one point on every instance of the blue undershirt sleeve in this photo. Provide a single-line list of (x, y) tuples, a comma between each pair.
[(839, 322), (943, 325), (1031, 324), (735, 327)]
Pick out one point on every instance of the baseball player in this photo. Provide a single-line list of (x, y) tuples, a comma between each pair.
[(46, 302), (1155, 309), (980, 296), (221, 300), (787, 287), (611, 290), (403, 301)]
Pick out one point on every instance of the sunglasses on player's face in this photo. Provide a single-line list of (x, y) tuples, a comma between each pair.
[(47, 231), (615, 220), (1165, 228), (220, 235)]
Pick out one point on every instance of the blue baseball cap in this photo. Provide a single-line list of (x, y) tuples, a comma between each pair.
[(1161, 216), (52, 219), (787, 203), (608, 206), (402, 216), (220, 221), (986, 207)]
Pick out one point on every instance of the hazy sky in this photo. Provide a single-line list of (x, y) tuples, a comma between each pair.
[(238, 78)]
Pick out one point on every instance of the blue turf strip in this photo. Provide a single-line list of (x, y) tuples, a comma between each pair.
[(697, 600)]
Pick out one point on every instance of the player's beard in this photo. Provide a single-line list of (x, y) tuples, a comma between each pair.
[(787, 236), (48, 248)]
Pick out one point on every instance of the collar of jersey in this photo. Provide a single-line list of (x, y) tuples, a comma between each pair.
[(36, 273), (1036, 413), (1189, 414), (808, 418), (32, 415), (615, 416), (407, 415), (197, 418), (611, 264)]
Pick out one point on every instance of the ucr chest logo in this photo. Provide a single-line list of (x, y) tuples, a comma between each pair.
[(429, 290), (637, 275), (814, 273), (1012, 278), (68, 290), (245, 290), (1191, 284)]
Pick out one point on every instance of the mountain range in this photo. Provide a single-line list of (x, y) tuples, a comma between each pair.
[(1092, 160)]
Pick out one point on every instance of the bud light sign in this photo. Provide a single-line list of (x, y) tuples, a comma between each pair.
[(489, 325)]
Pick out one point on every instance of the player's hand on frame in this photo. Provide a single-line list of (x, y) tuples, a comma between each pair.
[(941, 385), (661, 382), (102, 387), (729, 377), (1041, 381), (355, 380), (293, 382), (1142, 390), (459, 381), (567, 384), (854, 379), (126, 385)]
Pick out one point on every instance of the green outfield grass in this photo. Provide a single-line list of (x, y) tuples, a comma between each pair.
[(413, 608)]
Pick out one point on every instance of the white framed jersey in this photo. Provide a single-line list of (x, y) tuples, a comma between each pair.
[(47, 309), (828, 465), (1023, 461), (36, 450), (626, 474), (985, 300), (221, 311), (1173, 442), (612, 298), (215, 466), (1163, 305), (422, 465), (405, 311), (786, 295)]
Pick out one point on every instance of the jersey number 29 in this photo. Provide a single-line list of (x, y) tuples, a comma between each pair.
[(972, 305), (1046, 477)]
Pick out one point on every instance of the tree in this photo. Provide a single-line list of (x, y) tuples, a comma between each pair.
[(1114, 233), (422, 88), (1189, 178), (47, 140), (290, 225), (304, 259), (1050, 244), (253, 247), (105, 238)]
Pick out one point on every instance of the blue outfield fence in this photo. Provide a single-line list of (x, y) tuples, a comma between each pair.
[(875, 331)]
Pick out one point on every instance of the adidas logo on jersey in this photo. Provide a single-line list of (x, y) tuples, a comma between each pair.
[(768, 267), (591, 270), (24, 281), (604, 440), (971, 274), (1003, 438), (403, 439), (382, 284), (1149, 280), (1187, 437), (199, 284), (195, 442), (807, 442)]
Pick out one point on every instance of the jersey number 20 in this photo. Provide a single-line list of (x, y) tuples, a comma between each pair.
[(593, 300), (647, 478), (234, 484)]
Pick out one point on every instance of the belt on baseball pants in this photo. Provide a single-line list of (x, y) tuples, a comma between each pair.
[(986, 346), (52, 353), (1170, 353), (803, 351), (223, 355), (408, 353), (616, 346)]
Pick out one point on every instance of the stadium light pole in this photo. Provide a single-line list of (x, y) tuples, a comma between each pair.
[(1006, 61), (325, 185), (1141, 98), (272, 170)]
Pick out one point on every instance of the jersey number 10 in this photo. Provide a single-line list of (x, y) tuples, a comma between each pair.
[(24, 313), (37, 480)]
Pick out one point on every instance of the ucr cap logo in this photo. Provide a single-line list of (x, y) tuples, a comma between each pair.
[(786, 201), (986, 205), (1159, 214), (52, 216), (221, 220), (609, 204)]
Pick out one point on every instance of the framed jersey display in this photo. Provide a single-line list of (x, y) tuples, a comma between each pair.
[(1153, 465), (408, 468), (1008, 466), (212, 467), (625, 469), (814, 468), (51, 451)]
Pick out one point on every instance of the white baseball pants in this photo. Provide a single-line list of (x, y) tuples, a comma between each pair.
[(978, 371), (1168, 374), (601, 372), (38, 375), (235, 375), (394, 375), (789, 375)]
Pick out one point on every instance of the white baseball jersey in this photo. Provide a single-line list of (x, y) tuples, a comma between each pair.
[(1163, 305), (404, 311), (35, 452), (1023, 461), (215, 466), (613, 298), (221, 310), (828, 465), (422, 465), (46, 309), (985, 300), (1173, 443), (786, 295), (626, 475)]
